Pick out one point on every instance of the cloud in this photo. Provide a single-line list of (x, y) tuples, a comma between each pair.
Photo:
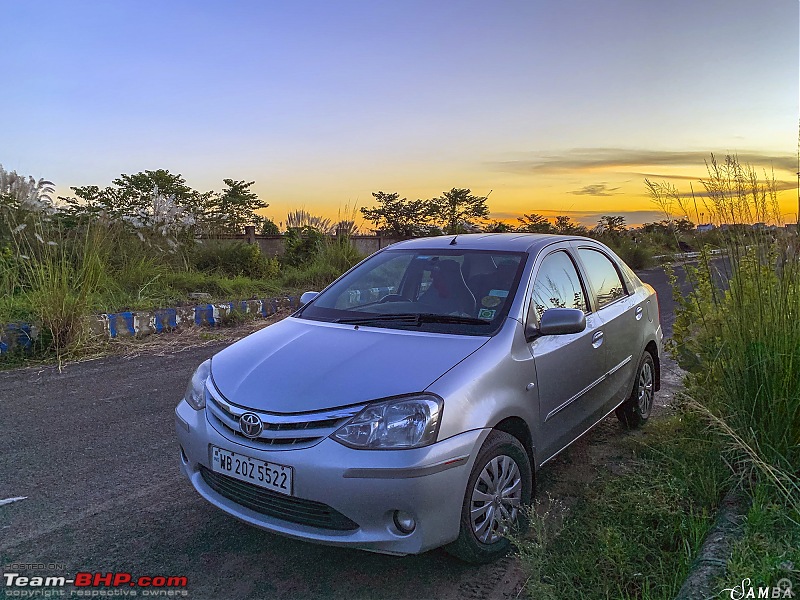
[(597, 189), (631, 160)]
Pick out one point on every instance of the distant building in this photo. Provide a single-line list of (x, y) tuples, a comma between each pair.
[(704, 227)]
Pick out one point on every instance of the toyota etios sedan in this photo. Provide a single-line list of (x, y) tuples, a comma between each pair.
[(409, 404)]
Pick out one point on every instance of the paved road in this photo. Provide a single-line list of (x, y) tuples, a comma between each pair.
[(656, 277), (94, 451)]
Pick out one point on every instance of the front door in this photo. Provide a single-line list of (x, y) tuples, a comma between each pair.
[(571, 368)]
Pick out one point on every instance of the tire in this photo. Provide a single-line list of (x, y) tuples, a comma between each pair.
[(481, 540), (635, 411)]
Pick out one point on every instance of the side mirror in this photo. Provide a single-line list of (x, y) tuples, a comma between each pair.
[(557, 321), (307, 297)]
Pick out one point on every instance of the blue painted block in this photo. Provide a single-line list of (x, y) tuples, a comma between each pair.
[(19, 334), (112, 324), (165, 319), (14, 336), (204, 314), (125, 319)]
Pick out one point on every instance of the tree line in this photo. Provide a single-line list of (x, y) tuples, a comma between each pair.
[(461, 211), (150, 197)]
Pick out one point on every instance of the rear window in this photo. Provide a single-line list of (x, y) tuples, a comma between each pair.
[(603, 277)]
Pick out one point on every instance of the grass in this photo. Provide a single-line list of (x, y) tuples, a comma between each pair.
[(333, 257), (636, 533), (742, 345), (770, 547), (54, 276)]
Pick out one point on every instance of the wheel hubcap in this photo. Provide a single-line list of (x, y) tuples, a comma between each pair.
[(646, 389), (496, 499)]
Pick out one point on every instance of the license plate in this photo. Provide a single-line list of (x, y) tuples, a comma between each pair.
[(271, 476)]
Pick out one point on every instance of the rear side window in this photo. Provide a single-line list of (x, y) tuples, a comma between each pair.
[(557, 285), (603, 276)]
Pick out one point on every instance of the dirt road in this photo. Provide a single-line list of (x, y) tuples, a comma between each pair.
[(92, 450)]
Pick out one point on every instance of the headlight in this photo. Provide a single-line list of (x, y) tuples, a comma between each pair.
[(408, 422), (196, 390)]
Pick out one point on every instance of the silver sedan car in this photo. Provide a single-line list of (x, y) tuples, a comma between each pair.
[(409, 405)]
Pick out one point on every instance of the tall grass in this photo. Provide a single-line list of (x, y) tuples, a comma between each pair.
[(59, 265), (333, 256), (56, 279), (741, 341)]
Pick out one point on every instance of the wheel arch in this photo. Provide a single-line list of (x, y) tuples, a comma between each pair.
[(653, 350), (518, 428)]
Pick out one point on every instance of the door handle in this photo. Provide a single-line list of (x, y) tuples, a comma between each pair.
[(597, 339), (639, 312)]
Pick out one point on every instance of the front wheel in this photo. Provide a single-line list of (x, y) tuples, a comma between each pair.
[(499, 488), (637, 408)]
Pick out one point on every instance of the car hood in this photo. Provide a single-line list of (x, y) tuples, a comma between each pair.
[(298, 365)]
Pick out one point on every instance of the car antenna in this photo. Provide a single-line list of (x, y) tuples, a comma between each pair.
[(453, 241)]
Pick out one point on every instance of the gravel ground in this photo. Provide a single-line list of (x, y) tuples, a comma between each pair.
[(92, 448)]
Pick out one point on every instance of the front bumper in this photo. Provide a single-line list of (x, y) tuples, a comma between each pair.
[(366, 486)]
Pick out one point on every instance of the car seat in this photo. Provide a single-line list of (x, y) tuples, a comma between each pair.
[(448, 292)]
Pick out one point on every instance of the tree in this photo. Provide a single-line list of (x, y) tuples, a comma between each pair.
[(534, 223), (234, 207), (399, 216), (268, 227), (565, 226), (669, 226), (136, 189), (457, 206), (498, 227), (612, 225), (139, 197), (683, 225)]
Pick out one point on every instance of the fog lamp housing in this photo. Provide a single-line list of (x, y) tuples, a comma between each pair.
[(404, 522)]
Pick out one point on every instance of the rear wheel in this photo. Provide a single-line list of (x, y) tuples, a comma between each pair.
[(499, 488), (637, 408)]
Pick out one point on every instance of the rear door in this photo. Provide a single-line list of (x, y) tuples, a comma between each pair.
[(621, 321), (570, 369)]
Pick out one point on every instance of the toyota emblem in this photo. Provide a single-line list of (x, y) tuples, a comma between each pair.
[(250, 425)]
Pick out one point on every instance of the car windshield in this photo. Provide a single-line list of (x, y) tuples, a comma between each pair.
[(448, 291)]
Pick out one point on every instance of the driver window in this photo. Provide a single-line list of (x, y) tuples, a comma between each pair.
[(557, 285), (383, 280)]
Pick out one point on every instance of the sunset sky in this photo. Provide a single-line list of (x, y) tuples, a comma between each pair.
[(557, 107)]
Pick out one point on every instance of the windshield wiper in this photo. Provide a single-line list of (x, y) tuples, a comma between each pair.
[(434, 318), (414, 319)]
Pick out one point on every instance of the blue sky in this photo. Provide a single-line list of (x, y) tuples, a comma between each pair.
[(323, 103)]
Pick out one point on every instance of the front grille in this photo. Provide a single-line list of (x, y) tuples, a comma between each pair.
[(287, 508), (281, 431)]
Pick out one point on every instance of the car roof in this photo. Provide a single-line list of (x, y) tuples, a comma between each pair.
[(515, 242)]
